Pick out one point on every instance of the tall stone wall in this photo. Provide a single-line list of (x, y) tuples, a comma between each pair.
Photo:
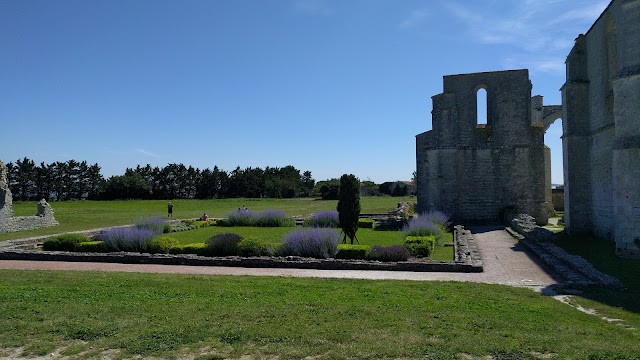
[(8, 222), (601, 126), (475, 172)]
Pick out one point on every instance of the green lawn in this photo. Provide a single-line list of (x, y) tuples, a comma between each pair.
[(275, 234), (292, 318), (84, 215)]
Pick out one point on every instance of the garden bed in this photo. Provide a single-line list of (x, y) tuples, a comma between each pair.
[(466, 258)]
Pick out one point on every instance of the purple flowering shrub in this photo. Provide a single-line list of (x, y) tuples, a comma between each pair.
[(427, 224), (240, 218), (389, 253), (266, 218), (323, 219), (155, 224), (320, 243), (126, 239), (272, 218), (438, 218), (225, 244)]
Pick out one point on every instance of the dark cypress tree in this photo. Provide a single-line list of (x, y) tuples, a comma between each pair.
[(349, 206)]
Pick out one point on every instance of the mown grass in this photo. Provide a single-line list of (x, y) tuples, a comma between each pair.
[(84, 215), (276, 234), (291, 318)]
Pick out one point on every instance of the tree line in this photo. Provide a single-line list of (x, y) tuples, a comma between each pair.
[(73, 180)]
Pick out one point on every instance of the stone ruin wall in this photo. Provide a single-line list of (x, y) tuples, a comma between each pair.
[(10, 223), (601, 126), (476, 172)]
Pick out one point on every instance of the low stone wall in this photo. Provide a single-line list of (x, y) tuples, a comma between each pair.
[(24, 223), (574, 270), (467, 258), (465, 248), (233, 261)]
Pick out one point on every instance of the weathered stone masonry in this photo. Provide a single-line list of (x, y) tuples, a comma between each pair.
[(10, 223), (601, 126), (476, 172)]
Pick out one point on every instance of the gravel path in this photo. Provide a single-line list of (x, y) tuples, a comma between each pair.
[(505, 262)]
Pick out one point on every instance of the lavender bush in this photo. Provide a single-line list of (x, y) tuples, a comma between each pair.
[(156, 224), (427, 224), (126, 239), (320, 243), (266, 218), (225, 244), (389, 253), (272, 218), (240, 218), (437, 217), (323, 219)]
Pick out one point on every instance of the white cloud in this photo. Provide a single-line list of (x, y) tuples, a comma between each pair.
[(147, 153), (312, 7), (546, 65), (531, 25), (414, 19), (587, 13)]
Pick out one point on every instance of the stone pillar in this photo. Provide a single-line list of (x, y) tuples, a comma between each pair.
[(6, 200)]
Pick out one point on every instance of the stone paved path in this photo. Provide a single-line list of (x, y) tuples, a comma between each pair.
[(504, 263)]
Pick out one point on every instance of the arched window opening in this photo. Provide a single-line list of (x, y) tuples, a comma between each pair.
[(481, 103)]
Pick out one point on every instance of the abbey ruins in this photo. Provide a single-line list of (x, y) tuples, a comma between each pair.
[(8, 222), (479, 172)]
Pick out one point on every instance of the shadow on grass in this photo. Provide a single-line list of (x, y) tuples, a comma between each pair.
[(601, 254)]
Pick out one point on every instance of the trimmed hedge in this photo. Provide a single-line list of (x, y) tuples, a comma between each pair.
[(91, 246), (254, 247), (420, 246), (389, 253), (182, 227), (197, 249), (366, 223), (161, 245), (353, 252), (64, 242)]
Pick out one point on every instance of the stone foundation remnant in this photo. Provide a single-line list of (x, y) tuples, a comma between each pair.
[(477, 172), (9, 223), (601, 129)]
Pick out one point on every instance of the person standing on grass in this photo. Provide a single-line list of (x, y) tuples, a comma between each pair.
[(170, 210)]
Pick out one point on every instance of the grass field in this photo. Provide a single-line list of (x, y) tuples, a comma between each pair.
[(291, 318), (84, 215), (83, 314)]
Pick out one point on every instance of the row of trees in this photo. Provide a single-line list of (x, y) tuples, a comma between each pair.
[(330, 189), (73, 180), (56, 181), (175, 181)]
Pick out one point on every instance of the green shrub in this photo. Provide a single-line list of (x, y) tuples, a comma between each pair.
[(225, 244), (197, 248), (161, 245), (64, 242), (222, 222), (90, 246), (421, 246), (253, 247), (389, 253), (182, 227), (366, 224), (166, 228), (354, 252)]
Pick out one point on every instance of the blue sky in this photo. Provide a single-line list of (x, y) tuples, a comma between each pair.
[(330, 86)]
